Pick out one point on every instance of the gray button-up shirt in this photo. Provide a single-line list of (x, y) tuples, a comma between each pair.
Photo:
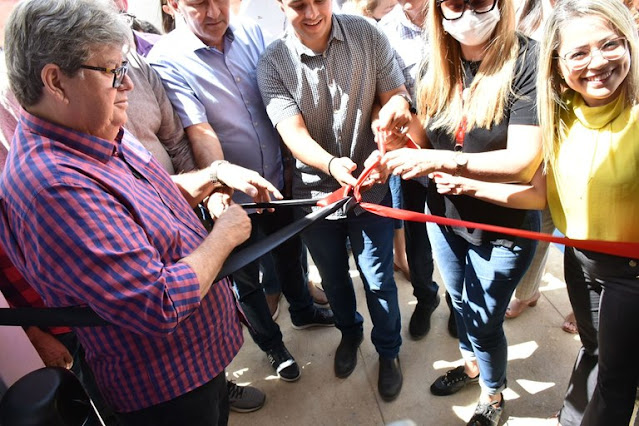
[(334, 91)]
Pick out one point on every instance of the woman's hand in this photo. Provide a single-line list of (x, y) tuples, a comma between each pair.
[(411, 163), (449, 184)]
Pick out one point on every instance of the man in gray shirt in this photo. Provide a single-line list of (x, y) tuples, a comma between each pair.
[(322, 85)]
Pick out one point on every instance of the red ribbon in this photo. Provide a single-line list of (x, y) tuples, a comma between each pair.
[(616, 248)]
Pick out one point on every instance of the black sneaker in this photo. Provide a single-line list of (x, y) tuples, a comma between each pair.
[(283, 363), (452, 382), (487, 414), (316, 317), (244, 399), (419, 325)]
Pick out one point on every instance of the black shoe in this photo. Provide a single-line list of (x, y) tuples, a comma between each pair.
[(346, 354), (487, 414), (283, 363), (316, 317), (419, 325), (390, 380), (451, 382), (452, 323), (244, 399)]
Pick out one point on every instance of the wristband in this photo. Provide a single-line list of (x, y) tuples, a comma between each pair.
[(329, 166)]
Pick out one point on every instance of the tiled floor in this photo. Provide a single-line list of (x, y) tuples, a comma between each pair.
[(540, 361)]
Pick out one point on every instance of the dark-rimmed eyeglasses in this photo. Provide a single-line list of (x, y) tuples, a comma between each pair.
[(610, 50), (118, 73), (454, 9)]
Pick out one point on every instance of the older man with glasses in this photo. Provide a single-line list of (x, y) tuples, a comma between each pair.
[(90, 218)]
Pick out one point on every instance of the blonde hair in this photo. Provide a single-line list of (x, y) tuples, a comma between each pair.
[(550, 84), (360, 7), (442, 75)]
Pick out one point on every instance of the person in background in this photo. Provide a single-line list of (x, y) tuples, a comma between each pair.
[(227, 55), (530, 19), (405, 27), (374, 9), (476, 100)]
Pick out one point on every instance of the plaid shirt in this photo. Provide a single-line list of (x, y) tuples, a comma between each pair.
[(409, 42), (334, 91), (94, 222), (18, 292)]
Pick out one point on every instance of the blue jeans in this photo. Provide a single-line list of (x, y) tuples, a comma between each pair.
[(481, 280), (371, 240)]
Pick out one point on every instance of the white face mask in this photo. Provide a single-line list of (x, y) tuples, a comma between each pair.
[(472, 29)]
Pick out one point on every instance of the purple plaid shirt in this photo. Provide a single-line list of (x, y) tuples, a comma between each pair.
[(94, 222)]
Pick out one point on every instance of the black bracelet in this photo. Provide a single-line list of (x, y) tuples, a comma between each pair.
[(329, 166)]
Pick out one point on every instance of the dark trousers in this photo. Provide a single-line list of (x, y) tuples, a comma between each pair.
[(83, 372), (604, 294), (290, 273), (207, 405), (418, 250)]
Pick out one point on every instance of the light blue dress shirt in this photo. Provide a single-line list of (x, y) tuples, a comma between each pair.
[(206, 85)]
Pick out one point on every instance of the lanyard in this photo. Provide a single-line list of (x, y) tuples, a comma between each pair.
[(460, 133)]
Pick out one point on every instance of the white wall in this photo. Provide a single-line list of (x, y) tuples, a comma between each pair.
[(148, 10)]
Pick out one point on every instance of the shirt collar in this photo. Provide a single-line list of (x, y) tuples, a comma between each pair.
[(93, 146), (597, 117), (192, 43), (302, 50)]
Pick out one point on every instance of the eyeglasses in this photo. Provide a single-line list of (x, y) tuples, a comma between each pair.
[(454, 9), (118, 73), (610, 50)]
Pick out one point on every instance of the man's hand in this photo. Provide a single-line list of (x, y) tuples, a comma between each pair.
[(342, 168), (234, 224), (219, 201), (394, 119), (50, 349), (247, 181), (379, 174)]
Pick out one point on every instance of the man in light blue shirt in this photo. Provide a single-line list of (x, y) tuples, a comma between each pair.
[(208, 68)]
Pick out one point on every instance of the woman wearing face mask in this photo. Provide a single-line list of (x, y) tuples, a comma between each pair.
[(476, 114), (589, 109)]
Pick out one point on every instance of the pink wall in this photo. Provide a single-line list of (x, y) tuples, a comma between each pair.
[(17, 355)]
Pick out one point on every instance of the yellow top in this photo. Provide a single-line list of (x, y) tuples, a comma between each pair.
[(593, 188)]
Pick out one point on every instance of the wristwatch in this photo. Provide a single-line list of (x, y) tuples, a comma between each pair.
[(407, 98), (213, 169), (461, 160)]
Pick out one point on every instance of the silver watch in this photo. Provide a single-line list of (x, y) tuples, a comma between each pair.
[(213, 169)]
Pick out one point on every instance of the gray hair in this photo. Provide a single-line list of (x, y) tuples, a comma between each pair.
[(61, 32)]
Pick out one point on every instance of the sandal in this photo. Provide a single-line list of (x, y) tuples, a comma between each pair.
[(516, 306), (570, 324)]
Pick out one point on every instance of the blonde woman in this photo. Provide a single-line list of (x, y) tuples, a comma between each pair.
[(588, 90), (476, 102)]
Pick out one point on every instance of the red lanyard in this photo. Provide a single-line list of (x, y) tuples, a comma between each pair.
[(460, 134)]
